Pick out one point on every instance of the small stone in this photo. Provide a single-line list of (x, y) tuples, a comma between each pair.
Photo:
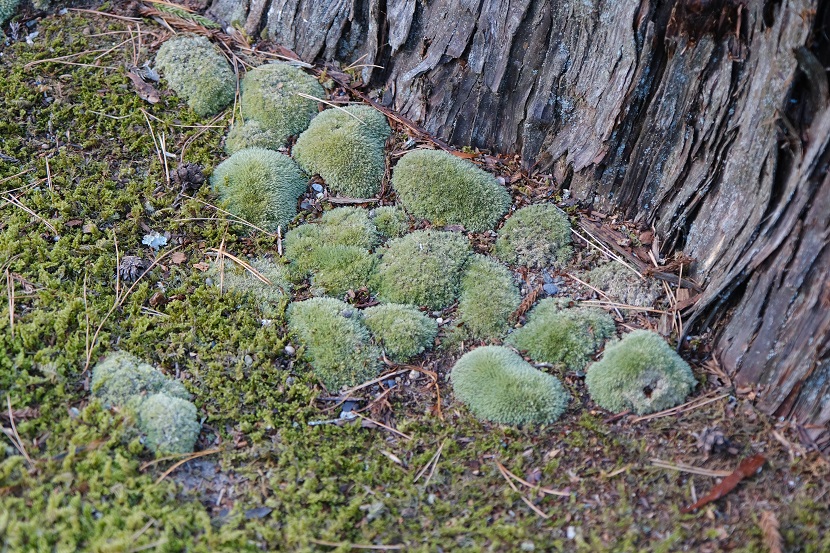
[(439, 320), (550, 289), (209, 281), (319, 195), (570, 532), (347, 313), (289, 349), (317, 187), (528, 546), (414, 375), (249, 360)]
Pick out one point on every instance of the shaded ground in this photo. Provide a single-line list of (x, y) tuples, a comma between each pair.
[(276, 482)]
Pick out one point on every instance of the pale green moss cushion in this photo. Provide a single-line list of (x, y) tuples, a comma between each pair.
[(488, 298), (555, 333), (336, 269), (641, 373), (120, 376), (391, 221), (499, 386), (170, 424), (346, 147), (536, 236), (401, 330), (422, 268), (251, 134), (198, 72), (269, 296), (7, 9), (620, 282), (260, 186), (447, 190), (337, 344)]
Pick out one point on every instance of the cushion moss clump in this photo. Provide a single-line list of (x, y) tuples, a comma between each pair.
[(336, 269), (641, 373), (271, 98), (422, 268), (260, 186), (346, 147), (488, 298), (401, 330), (337, 344), (555, 333), (251, 134), (198, 72), (536, 236), (447, 190), (170, 424), (619, 282), (499, 386), (269, 297), (119, 377), (391, 221), (7, 8)]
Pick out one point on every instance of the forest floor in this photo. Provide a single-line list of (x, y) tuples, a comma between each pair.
[(82, 181)]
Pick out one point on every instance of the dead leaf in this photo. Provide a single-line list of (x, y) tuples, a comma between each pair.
[(748, 467), (158, 299), (177, 258), (144, 90), (201, 266)]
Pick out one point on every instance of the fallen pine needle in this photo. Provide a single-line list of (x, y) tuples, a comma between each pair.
[(433, 462), (396, 547), (185, 460), (389, 428), (688, 406), (680, 467), (546, 491)]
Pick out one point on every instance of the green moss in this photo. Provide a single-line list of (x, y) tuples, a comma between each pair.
[(349, 226), (555, 333), (198, 72), (251, 134), (260, 186), (488, 298), (448, 190), (7, 9), (619, 282), (499, 386), (391, 221), (401, 330), (641, 373), (271, 297), (336, 341), (171, 424), (120, 376), (346, 147), (336, 269), (271, 98), (536, 236), (422, 268)]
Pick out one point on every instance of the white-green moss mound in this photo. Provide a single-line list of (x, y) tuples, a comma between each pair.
[(619, 282), (251, 134), (641, 373), (198, 72), (447, 190), (269, 296), (488, 298), (499, 386), (536, 236), (260, 186), (401, 330), (346, 147), (391, 221), (170, 424), (119, 377)]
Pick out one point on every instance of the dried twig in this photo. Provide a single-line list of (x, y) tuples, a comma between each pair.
[(185, 460), (688, 406)]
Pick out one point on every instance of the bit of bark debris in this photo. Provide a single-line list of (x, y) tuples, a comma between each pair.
[(131, 267)]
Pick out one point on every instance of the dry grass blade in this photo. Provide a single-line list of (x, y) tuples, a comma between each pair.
[(169, 471), (431, 463), (10, 177), (598, 291), (599, 245), (242, 263), (688, 406), (626, 306), (105, 14), (9, 199), (520, 480), (772, 535), (235, 218), (348, 545), (330, 104), (10, 293), (13, 435), (381, 378), (380, 424), (680, 467)]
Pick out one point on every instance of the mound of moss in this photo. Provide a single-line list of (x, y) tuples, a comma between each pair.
[(268, 295), (337, 344), (641, 373), (401, 330), (499, 386), (448, 190), (170, 424), (7, 9), (272, 107), (536, 236), (555, 333), (619, 282), (488, 298), (260, 186), (120, 376), (336, 269), (422, 268), (391, 221), (198, 72), (346, 147)]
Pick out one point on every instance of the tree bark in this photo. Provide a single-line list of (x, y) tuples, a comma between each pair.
[(707, 119)]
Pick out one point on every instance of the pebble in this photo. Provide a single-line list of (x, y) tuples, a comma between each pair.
[(317, 187), (289, 349), (414, 375), (347, 313), (439, 320), (249, 360), (550, 289)]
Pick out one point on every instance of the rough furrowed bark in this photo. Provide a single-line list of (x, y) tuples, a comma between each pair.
[(704, 118)]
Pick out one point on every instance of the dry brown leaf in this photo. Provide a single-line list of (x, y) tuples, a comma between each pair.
[(770, 528), (178, 258), (144, 90), (747, 467), (201, 266)]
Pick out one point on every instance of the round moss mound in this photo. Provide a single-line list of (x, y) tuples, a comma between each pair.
[(336, 269), (336, 342), (170, 424), (422, 268), (391, 221), (488, 298), (269, 296), (555, 333), (641, 373), (7, 8), (198, 72), (447, 190), (536, 236), (499, 386), (260, 186), (346, 148), (271, 98), (251, 134), (619, 282), (401, 330), (119, 377)]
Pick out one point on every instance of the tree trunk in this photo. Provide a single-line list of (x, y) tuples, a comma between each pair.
[(707, 119)]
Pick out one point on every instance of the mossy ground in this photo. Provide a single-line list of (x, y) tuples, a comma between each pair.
[(275, 482)]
